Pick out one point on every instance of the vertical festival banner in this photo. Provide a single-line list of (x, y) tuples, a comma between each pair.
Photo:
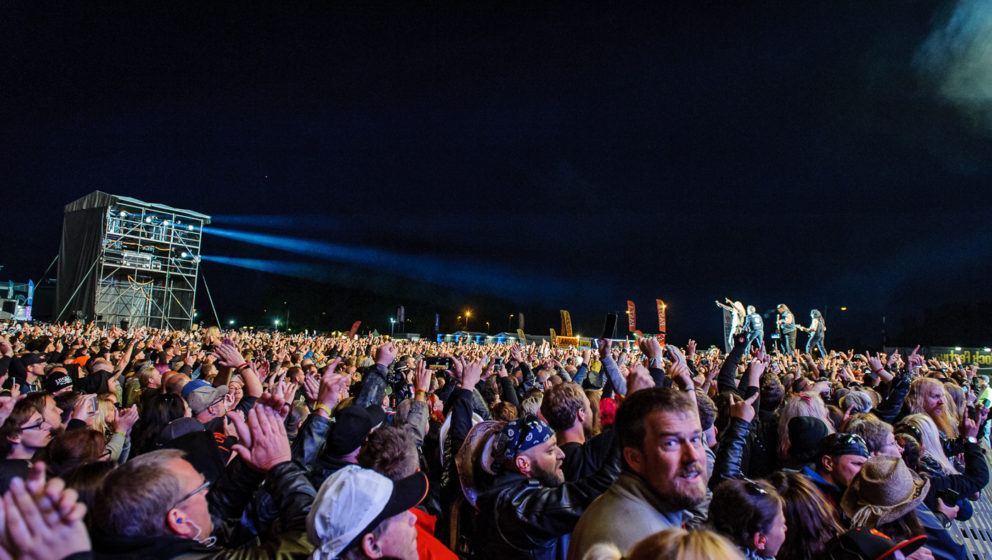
[(522, 337), (631, 317), (400, 314), (521, 325), (354, 329), (437, 322), (554, 338), (662, 326), (566, 323)]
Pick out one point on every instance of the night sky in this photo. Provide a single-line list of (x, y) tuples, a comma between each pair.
[(502, 160)]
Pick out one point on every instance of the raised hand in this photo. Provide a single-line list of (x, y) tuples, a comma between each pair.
[(471, 373), (742, 408), (263, 443), (44, 524), (385, 354), (126, 419), (421, 380), (228, 355), (604, 345), (638, 378)]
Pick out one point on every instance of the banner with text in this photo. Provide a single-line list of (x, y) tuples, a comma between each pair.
[(968, 356), (631, 317), (566, 323), (662, 326)]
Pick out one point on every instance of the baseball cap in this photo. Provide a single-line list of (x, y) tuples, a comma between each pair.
[(33, 358), (351, 426), (201, 394), (354, 501), (56, 380), (178, 428)]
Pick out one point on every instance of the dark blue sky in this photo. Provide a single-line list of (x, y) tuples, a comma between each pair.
[(560, 157)]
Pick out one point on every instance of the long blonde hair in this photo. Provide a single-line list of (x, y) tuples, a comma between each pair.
[(675, 543), (803, 404), (916, 402), (105, 407), (932, 446)]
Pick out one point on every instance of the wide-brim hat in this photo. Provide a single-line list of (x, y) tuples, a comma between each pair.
[(885, 490)]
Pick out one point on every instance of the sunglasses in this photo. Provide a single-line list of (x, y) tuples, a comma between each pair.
[(848, 439), (754, 488)]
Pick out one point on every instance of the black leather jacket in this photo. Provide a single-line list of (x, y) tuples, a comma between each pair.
[(521, 518), (730, 452), (287, 538)]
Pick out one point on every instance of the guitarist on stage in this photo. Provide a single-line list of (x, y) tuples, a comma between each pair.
[(786, 323), (816, 329)]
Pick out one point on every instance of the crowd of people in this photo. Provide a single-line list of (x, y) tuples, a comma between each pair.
[(147, 443)]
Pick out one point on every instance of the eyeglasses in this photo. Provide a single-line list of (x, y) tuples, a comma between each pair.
[(34, 426), (200, 488)]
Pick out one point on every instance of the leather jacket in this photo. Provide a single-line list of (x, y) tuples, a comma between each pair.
[(523, 518), (287, 538), (730, 452)]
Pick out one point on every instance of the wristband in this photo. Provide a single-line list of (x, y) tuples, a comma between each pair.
[(325, 408), (418, 393), (122, 434), (242, 366)]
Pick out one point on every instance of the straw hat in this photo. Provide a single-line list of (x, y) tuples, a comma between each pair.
[(885, 490)]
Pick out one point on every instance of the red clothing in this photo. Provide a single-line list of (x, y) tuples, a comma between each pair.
[(427, 544)]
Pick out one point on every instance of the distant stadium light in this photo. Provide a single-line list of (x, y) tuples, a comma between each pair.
[(957, 348)]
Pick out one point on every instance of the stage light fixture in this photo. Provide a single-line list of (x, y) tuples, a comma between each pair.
[(190, 227), (148, 220), (184, 254), (123, 214)]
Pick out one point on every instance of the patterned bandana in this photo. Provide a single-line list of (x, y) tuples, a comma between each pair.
[(519, 436)]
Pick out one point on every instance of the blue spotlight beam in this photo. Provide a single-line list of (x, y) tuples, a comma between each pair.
[(485, 278)]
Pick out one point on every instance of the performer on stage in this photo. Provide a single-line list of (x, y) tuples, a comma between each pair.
[(816, 330), (737, 316), (786, 323), (755, 328)]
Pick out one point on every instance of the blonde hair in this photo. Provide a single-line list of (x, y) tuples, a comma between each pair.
[(932, 446), (675, 544), (956, 394), (804, 404), (103, 409), (916, 402)]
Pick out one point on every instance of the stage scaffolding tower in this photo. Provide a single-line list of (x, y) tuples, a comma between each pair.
[(122, 258)]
